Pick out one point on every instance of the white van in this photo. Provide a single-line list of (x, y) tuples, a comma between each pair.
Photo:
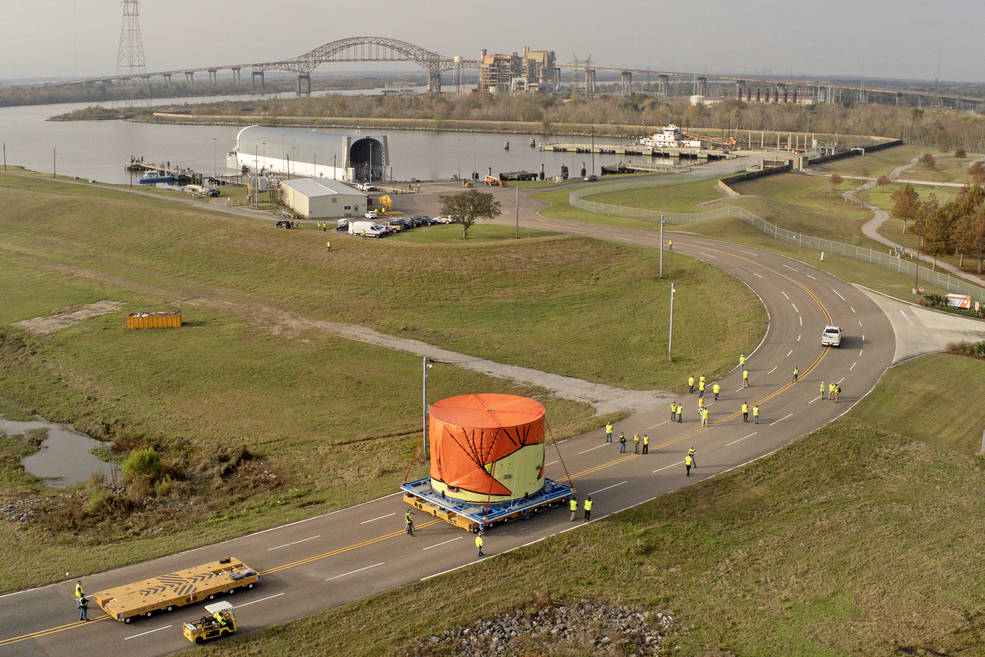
[(366, 229)]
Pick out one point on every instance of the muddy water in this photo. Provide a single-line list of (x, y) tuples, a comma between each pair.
[(65, 457)]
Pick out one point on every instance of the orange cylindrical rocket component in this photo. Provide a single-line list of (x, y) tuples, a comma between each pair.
[(487, 447)]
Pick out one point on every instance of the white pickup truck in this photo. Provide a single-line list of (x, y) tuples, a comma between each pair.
[(831, 336)]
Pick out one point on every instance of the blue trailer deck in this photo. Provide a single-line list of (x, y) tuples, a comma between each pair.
[(475, 516)]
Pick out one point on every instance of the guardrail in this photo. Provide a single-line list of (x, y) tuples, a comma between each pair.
[(864, 254)]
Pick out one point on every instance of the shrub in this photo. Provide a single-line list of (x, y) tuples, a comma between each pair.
[(836, 179), (927, 160), (143, 465), (960, 153), (882, 180)]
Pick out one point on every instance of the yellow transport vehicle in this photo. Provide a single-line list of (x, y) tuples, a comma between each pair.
[(177, 589), (219, 622)]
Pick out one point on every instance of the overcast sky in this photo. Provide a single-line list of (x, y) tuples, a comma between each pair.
[(870, 38)]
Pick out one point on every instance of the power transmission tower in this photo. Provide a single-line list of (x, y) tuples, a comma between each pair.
[(130, 59)]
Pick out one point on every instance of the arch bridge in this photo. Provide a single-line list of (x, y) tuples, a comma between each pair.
[(367, 49)]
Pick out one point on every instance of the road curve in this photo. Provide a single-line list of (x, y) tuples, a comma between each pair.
[(351, 553)]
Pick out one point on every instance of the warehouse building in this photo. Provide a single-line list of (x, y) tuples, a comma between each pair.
[(317, 198)]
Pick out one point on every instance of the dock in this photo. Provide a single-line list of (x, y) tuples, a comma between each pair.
[(637, 149), (181, 176)]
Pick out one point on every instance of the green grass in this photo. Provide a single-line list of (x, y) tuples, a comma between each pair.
[(947, 168), (679, 198), (252, 368), (807, 204), (452, 234), (876, 164), (861, 538)]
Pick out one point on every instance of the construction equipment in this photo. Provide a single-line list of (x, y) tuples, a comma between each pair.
[(494, 181), (177, 589), (219, 622)]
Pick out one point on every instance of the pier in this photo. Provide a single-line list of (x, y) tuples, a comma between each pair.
[(638, 149)]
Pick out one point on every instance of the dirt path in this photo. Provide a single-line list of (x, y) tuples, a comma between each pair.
[(66, 317)]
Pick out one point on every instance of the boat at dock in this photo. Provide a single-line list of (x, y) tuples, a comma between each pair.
[(154, 177)]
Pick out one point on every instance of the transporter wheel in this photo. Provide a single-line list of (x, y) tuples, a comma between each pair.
[(127, 619), (212, 596), (199, 640), (250, 585), (169, 608), (231, 591), (148, 614)]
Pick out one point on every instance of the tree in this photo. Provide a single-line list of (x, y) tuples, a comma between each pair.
[(470, 206), (835, 179), (906, 204), (973, 242), (977, 172), (882, 180), (960, 153), (927, 160), (940, 228)]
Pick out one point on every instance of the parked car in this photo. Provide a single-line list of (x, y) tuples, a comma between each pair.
[(445, 219), (343, 224), (591, 178)]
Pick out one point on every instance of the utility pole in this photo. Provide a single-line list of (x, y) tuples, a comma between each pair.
[(916, 271), (517, 206), (4, 156), (54, 161), (661, 246), (670, 334), (130, 56), (424, 405)]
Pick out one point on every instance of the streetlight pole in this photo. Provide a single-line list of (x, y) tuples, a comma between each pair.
[(916, 272), (215, 167), (4, 156), (661, 246), (517, 207), (54, 161), (426, 364), (670, 333)]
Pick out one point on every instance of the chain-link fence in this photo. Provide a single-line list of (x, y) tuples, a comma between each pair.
[(886, 260)]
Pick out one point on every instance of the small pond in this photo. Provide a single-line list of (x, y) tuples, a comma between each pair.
[(65, 457)]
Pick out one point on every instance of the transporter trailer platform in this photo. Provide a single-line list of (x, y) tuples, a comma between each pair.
[(177, 589), (477, 516)]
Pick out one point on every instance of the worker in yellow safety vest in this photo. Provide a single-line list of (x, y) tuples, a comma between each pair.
[(742, 361), (745, 378), (79, 591), (573, 505), (690, 384), (831, 391), (755, 414), (636, 443), (694, 461), (701, 387), (822, 389), (479, 543), (688, 462), (745, 412), (608, 432), (715, 389), (704, 417), (588, 508), (673, 411), (646, 444)]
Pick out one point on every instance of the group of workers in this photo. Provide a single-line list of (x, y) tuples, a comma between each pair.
[(586, 506)]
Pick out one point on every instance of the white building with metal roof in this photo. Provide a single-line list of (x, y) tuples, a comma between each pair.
[(317, 198), (298, 152)]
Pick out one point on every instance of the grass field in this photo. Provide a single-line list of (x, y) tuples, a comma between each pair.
[(861, 538), (253, 367), (735, 231), (876, 164), (680, 198)]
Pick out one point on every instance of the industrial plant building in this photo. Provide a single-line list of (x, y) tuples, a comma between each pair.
[(317, 198), (534, 70), (311, 153)]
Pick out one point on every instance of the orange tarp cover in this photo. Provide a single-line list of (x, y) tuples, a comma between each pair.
[(470, 432)]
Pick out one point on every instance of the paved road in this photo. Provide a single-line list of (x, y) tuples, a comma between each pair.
[(346, 555)]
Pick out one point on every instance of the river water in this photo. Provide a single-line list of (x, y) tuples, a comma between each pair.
[(98, 149)]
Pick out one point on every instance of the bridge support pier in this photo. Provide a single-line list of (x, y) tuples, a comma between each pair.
[(167, 79), (304, 84), (236, 78), (589, 83), (663, 85), (189, 77), (254, 74), (739, 84), (701, 86), (212, 76), (434, 74), (626, 83), (782, 89)]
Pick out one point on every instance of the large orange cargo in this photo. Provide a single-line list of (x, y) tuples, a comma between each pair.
[(487, 447)]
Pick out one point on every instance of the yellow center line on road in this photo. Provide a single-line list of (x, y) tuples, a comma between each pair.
[(51, 630)]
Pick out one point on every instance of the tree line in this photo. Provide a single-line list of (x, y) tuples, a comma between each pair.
[(946, 129), (951, 228)]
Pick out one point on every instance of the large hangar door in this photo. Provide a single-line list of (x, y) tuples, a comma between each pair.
[(367, 158)]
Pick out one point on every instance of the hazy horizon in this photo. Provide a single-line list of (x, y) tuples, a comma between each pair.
[(876, 39)]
